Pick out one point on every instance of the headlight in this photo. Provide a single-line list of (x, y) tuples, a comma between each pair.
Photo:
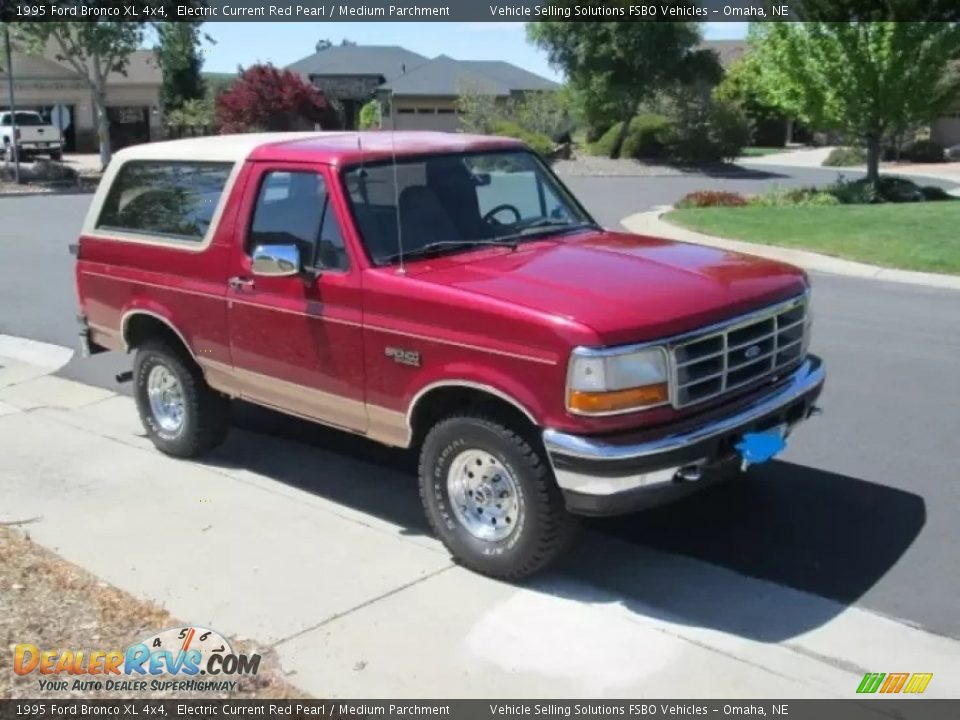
[(606, 383)]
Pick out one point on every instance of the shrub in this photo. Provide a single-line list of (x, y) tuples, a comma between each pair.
[(890, 189), (540, 143), (603, 145), (647, 137), (370, 115), (782, 197), (846, 156), (266, 98), (194, 117), (934, 193), (707, 130), (711, 198), (924, 151)]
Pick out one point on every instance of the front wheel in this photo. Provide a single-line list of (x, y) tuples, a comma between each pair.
[(182, 415), (490, 496)]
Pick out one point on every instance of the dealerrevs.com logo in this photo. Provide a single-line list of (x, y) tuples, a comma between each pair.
[(188, 659), (893, 683)]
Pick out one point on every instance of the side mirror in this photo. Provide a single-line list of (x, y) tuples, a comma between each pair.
[(276, 260)]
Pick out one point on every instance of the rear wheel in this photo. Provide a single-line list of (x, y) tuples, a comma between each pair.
[(182, 415), (490, 496)]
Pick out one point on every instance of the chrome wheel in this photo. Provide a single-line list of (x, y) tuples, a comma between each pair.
[(484, 495), (166, 399)]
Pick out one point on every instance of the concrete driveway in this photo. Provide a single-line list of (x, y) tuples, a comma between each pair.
[(863, 510)]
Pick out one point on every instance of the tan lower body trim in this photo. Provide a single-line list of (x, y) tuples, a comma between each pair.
[(106, 337), (377, 423), (388, 426)]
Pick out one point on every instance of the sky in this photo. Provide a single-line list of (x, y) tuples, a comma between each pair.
[(281, 43)]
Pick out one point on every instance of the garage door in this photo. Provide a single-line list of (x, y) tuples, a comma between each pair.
[(946, 131), (427, 120), (128, 126)]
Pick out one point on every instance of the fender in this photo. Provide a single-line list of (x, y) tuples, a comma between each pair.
[(493, 382), (155, 311)]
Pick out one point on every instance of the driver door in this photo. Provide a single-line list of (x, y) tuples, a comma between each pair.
[(296, 340)]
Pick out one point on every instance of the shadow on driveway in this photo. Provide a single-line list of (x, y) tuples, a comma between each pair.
[(830, 535), (733, 172)]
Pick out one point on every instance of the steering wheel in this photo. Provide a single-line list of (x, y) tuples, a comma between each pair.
[(489, 216)]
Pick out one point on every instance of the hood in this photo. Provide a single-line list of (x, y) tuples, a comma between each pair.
[(627, 288)]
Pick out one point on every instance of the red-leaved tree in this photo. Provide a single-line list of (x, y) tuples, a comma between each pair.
[(269, 99)]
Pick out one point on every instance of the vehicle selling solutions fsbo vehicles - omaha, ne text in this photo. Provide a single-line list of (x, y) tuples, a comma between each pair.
[(444, 292)]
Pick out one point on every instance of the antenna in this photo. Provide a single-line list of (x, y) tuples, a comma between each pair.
[(396, 184)]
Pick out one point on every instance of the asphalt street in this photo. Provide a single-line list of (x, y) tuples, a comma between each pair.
[(864, 508)]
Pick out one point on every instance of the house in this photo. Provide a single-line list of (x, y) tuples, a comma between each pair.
[(415, 93), (728, 51), (133, 99)]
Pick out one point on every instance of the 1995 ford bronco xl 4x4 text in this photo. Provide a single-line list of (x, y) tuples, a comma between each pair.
[(444, 292)]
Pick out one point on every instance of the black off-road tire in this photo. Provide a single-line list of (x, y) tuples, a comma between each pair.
[(544, 527), (206, 412)]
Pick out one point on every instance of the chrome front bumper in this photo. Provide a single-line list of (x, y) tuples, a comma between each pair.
[(607, 475)]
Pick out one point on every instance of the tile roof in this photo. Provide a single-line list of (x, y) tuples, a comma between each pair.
[(407, 73), (387, 61), (444, 76)]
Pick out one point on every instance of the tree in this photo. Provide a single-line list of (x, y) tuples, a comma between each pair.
[(325, 43), (180, 64), (868, 80), (370, 115), (615, 66), (771, 126), (266, 98), (94, 50)]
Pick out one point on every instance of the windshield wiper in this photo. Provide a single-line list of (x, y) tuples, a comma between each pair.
[(435, 248), (547, 225)]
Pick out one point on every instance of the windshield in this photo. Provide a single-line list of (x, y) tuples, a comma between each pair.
[(448, 203)]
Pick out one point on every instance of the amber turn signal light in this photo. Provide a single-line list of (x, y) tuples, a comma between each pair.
[(593, 403)]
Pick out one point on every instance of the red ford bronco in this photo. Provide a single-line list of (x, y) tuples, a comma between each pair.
[(444, 292)]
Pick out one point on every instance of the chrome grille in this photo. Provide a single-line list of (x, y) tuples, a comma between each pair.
[(739, 353)]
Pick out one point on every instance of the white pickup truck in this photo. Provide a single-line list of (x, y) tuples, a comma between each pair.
[(31, 136)]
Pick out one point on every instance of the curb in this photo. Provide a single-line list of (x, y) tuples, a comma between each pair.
[(953, 178), (32, 352), (650, 223)]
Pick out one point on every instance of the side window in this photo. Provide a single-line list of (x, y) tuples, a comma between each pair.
[(172, 199), (294, 208)]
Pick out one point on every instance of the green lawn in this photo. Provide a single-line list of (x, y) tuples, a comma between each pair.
[(915, 236), (761, 151)]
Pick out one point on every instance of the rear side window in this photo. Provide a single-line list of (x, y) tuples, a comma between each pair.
[(171, 199)]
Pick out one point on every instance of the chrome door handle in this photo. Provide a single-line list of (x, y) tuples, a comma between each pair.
[(240, 283)]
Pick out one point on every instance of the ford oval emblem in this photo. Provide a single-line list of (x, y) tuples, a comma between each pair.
[(751, 352)]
